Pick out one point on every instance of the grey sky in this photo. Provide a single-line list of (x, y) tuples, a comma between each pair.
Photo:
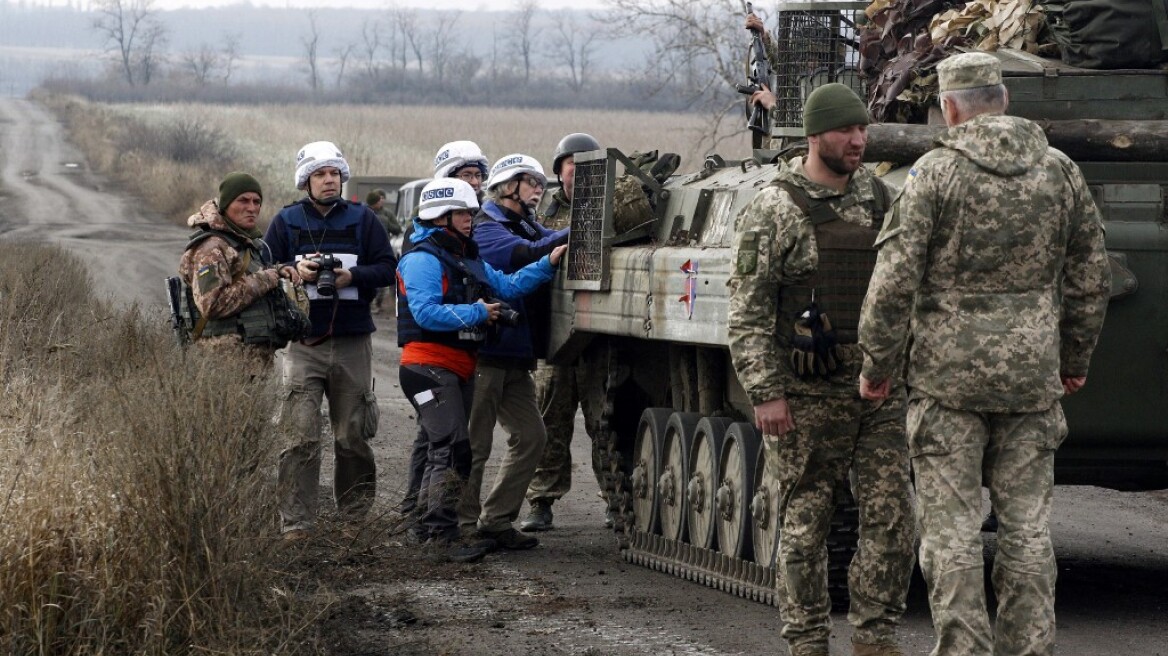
[(467, 5)]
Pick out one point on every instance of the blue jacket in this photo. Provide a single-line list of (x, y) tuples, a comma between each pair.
[(508, 241), (350, 228), (421, 275)]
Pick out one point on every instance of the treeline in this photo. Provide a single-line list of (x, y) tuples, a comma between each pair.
[(388, 86)]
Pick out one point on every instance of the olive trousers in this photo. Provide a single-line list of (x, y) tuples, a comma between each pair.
[(340, 370), (505, 395)]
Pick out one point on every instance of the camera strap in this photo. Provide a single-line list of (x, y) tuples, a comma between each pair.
[(328, 333)]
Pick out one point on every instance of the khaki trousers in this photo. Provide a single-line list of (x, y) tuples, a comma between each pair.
[(341, 369), (506, 395)]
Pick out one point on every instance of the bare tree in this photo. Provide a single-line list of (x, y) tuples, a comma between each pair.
[(230, 54), (311, 43), (574, 47), (699, 49), (152, 53), (369, 48), (410, 30), (463, 68), (343, 54), (126, 26), (526, 34), (442, 43), (201, 64)]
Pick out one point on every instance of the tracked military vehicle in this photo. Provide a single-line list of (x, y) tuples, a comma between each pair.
[(648, 306)]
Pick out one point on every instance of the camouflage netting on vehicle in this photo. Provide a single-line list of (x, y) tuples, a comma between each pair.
[(905, 39)]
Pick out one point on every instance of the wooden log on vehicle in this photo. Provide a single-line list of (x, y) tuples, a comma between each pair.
[(1084, 140)]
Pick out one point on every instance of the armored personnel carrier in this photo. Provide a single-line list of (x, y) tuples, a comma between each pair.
[(648, 306)]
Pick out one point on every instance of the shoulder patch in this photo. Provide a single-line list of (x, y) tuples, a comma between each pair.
[(207, 278), (747, 252)]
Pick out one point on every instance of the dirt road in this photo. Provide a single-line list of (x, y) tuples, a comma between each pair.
[(573, 594)]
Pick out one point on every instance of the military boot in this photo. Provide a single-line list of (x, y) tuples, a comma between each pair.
[(539, 519), (861, 649)]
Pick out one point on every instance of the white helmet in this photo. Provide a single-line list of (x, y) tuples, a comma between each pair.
[(444, 195), (512, 166), (456, 155), (318, 155)]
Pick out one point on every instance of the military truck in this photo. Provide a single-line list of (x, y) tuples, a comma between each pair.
[(359, 186), (648, 306)]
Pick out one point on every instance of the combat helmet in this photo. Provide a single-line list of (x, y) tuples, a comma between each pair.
[(577, 142)]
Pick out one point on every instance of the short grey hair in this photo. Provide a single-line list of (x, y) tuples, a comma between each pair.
[(978, 100), (496, 192)]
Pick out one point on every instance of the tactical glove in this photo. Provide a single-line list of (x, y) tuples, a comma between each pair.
[(804, 360), (814, 349)]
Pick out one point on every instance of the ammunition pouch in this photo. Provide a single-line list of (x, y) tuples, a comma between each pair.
[(276, 318)]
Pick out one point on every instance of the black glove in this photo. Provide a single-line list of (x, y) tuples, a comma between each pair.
[(813, 345)]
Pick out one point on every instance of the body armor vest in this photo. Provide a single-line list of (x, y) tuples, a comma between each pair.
[(464, 283), (847, 257), (272, 320)]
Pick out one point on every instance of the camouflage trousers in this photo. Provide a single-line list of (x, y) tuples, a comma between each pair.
[(559, 390), (833, 436), (954, 453)]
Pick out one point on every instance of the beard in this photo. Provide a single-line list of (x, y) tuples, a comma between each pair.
[(840, 166)]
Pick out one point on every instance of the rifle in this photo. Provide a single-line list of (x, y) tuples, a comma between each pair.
[(760, 74), (173, 291)]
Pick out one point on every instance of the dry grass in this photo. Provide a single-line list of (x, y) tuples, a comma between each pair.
[(135, 501), (376, 140)]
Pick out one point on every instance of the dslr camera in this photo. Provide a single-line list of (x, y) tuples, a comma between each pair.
[(326, 274), (507, 316)]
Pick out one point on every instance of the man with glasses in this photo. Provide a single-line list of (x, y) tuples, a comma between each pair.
[(509, 238)]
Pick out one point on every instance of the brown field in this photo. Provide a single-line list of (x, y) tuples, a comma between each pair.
[(390, 140)]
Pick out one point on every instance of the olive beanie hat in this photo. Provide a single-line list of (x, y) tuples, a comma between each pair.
[(235, 185), (832, 106), (372, 197)]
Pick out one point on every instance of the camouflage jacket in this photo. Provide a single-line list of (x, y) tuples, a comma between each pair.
[(776, 246), (216, 273), (992, 272), (555, 213), (388, 221)]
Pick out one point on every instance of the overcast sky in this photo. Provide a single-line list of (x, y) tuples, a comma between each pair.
[(466, 5)]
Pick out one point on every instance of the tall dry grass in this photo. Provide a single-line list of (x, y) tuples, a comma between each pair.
[(376, 140), (135, 509)]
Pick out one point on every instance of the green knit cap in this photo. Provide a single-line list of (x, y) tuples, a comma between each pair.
[(832, 106), (236, 184)]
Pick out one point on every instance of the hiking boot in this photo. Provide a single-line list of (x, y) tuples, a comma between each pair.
[(861, 649), (990, 523), (510, 539), (296, 535), (810, 650), (442, 550), (539, 519)]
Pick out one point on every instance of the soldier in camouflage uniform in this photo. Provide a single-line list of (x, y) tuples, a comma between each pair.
[(561, 388), (801, 265), (376, 202), (992, 279), (228, 270)]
